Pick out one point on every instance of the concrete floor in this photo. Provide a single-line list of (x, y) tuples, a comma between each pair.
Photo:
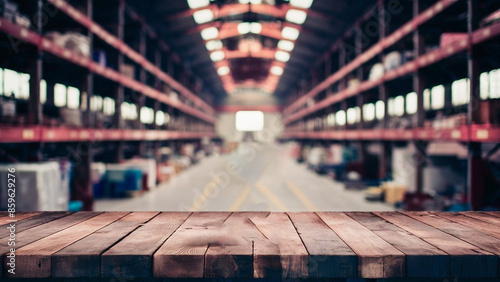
[(254, 178)]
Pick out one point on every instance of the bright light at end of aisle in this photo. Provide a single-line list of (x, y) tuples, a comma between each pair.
[(249, 121)]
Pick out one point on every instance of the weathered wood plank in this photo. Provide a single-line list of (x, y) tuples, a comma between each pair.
[(466, 260), (280, 231), (422, 259), (33, 221), (18, 217), (477, 224), (376, 257), (35, 228), (82, 258), (329, 256), (183, 254), (484, 217), (133, 256), (34, 260), (232, 256)]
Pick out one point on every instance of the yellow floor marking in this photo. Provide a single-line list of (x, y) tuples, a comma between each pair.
[(301, 196), (241, 199), (271, 197)]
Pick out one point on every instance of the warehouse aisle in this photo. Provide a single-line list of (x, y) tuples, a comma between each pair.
[(254, 178)]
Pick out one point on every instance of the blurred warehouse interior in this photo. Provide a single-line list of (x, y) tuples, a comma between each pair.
[(282, 105)]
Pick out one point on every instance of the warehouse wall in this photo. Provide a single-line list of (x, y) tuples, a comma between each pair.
[(226, 128)]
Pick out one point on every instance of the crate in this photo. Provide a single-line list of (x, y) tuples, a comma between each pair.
[(393, 192)]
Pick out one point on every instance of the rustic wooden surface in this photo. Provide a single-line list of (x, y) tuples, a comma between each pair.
[(253, 244)]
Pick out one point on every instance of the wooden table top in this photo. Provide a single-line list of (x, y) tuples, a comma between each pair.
[(252, 244)]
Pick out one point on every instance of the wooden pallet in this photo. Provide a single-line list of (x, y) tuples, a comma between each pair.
[(253, 245)]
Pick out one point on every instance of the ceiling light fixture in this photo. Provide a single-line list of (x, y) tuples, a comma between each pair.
[(214, 45), (286, 45), (296, 16), (203, 16), (305, 4), (277, 70), (217, 56), (282, 56), (209, 33), (245, 27), (290, 33), (195, 4), (224, 70), (250, 2)]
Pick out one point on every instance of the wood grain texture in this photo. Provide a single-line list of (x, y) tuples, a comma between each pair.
[(232, 255), (466, 260), (422, 259), (38, 227), (329, 256), (279, 230), (486, 217), (39, 252), (133, 256), (83, 258), (183, 254), (471, 222), (376, 257), (462, 232), (244, 245), (4, 220)]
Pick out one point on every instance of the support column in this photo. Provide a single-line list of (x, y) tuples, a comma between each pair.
[(82, 182), (141, 101), (35, 115), (475, 181), (418, 87), (118, 122)]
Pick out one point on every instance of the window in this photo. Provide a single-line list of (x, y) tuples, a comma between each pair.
[(43, 91), (24, 86), (73, 98), (160, 118), (330, 120), (494, 84), (96, 103), (340, 118), (60, 95), (249, 121), (460, 92), (369, 112), (411, 103), (390, 106), (427, 99), (380, 109), (484, 85), (108, 106), (437, 97), (399, 106), (147, 115), (351, 116), (1, 81), (12, 83)]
